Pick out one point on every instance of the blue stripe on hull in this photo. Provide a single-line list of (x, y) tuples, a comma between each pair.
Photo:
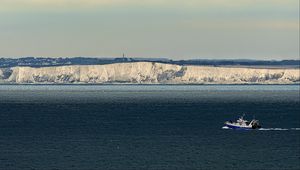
[(237, 127)]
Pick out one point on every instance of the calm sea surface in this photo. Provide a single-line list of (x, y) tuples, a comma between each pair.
[(155, 127)]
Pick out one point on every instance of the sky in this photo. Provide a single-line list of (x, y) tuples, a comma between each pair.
[(176, 29)]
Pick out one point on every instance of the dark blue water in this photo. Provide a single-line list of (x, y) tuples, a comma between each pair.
[(147, 127)]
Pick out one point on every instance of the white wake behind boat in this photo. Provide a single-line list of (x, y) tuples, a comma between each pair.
[(241, 123)]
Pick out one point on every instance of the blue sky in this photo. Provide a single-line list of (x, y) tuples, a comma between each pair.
[(212, 29)]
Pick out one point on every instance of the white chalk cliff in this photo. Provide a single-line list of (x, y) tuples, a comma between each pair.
[(149, 73)]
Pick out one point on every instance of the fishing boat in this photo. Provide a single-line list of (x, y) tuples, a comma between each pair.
[(241, 123)]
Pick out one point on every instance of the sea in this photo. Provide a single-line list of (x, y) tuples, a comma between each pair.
[(151, 127)]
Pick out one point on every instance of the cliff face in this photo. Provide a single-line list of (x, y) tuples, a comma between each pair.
[(148, 73)]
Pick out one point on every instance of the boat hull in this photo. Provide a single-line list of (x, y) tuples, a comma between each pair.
[(238, 127)]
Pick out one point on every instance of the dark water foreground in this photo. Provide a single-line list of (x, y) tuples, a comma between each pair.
[(147, 127)]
